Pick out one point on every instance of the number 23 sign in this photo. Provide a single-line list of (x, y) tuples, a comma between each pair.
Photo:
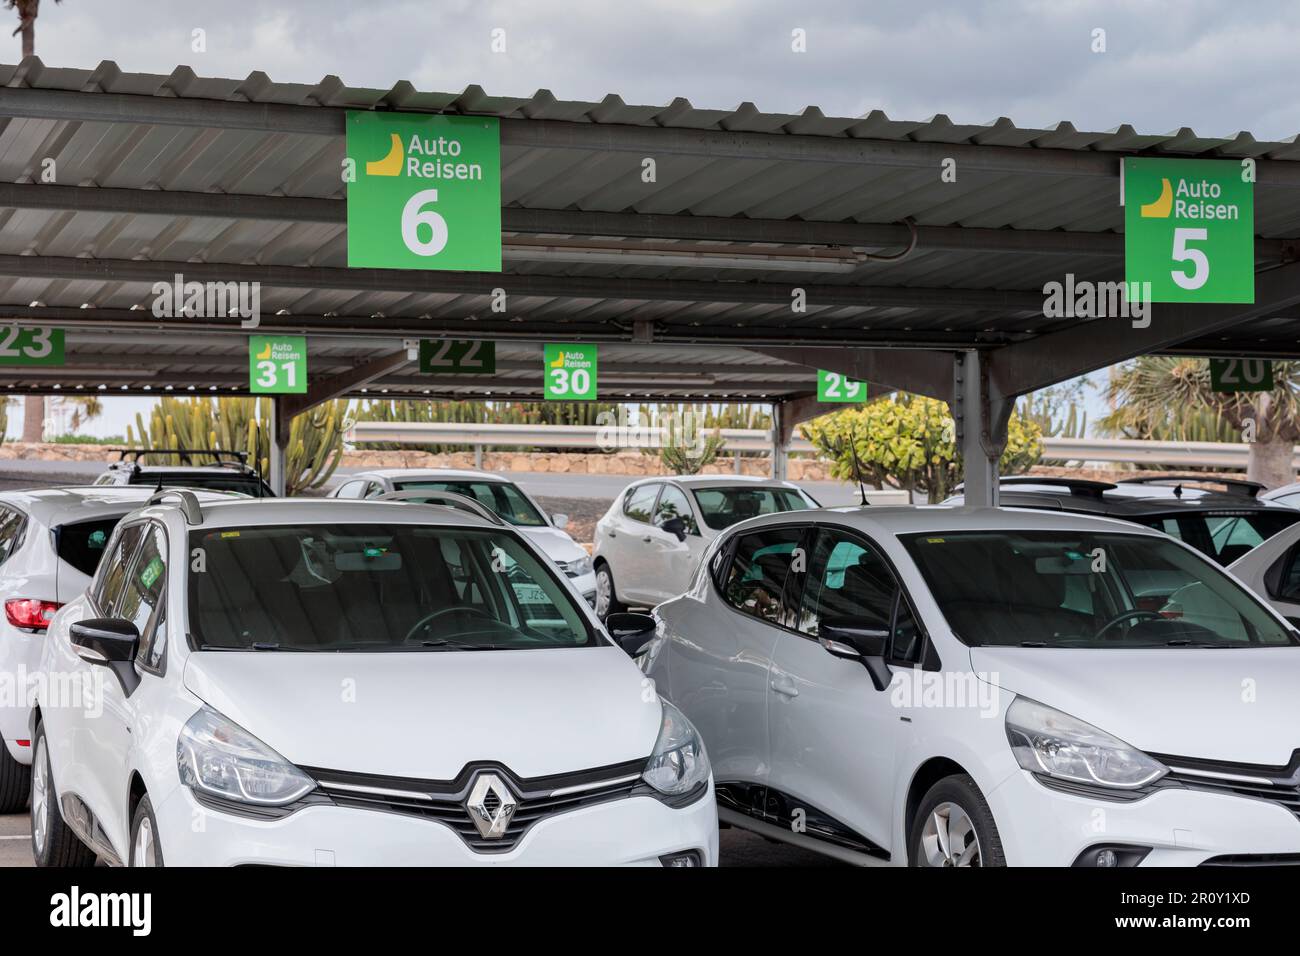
[(28, 346)]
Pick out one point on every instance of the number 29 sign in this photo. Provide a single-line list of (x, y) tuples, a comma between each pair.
[(424, 191)]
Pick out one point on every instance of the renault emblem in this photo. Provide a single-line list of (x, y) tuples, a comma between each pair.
[(491, 806)]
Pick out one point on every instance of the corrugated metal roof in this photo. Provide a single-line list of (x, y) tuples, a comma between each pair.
[(132, 153)]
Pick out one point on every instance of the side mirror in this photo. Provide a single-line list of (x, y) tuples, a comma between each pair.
[(560, 521), (632, 632), (109, 642), (675, 526), (867, 645)]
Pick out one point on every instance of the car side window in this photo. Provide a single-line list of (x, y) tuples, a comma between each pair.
[(113, 569), (848, 582), (352, 489), (144, 593), (673, 504), (1288, 588), (756, 577), (374, 490), (11, 532), (640, 501)]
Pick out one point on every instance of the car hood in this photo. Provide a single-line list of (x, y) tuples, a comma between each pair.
[(554, 543), (428, 714), (1233, 705)]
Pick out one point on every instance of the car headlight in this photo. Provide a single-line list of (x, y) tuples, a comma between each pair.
[(576, 568), (1049, 742), (217, 757), (679, 765)]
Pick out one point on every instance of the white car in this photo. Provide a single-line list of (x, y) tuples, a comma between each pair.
[(953, 687), (308, 682), (1288, 495), (650, 540), (1272, 570), (50, 544), (501, 495)]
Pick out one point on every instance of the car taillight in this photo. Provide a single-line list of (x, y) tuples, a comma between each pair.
[(30, 613)]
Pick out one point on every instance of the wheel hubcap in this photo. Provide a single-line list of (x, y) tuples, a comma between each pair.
[(949, 838), (40, 797), (145, 851), (604, 590)]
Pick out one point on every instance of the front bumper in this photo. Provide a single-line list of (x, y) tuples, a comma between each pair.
[(634, 831), (586, 585), (1043, 827)]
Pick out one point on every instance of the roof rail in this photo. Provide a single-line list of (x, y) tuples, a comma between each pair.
[(1234, 486), (1083, 487), (223, 456), (447, 499), (189, 503)]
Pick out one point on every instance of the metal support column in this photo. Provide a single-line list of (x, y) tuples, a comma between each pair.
[(280, 424), (980, 413), (779, 440)]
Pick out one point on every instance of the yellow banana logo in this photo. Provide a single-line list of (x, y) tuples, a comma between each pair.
[(559, 361), (265, 353), (390, 165), (1161, 207)]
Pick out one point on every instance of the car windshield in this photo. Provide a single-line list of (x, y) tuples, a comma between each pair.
[(723, 507), (1072, 589), (501, 496), (375, 587)]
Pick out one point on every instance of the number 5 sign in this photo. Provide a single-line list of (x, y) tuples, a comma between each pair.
[(277, 364), (1189, 229), (424, 191)]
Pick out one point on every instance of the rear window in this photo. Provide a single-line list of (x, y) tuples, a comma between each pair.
[(500, 496), (82, 544), (1223, 536), (723, 507)]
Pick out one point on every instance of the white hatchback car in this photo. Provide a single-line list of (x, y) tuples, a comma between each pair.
[(954, 687), (307, 682), (498, 493), (50, 544), (650, 540)]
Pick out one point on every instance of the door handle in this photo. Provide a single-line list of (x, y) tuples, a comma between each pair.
[(784, 686), (646, 539), (613, 534)]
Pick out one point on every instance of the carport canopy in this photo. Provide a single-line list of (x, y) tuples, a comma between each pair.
[(909, 254)]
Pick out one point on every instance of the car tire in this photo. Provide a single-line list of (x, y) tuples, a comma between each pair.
[(954, 827), (607, 601), (145, 848), (53, 842), (15, 782)]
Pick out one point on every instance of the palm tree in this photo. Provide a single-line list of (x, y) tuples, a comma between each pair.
[(27, 12), (34, 407), (1159, 397)]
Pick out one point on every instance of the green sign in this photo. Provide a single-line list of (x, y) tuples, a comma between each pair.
[(1189, 229), (569, 371), (25, 346), (458, 357), (427, 192), (834, 387), (1241, 375), (277, 364)]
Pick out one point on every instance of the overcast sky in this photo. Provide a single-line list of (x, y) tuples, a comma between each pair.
[(1214, 65)]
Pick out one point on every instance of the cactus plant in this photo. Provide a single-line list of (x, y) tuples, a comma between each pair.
[(242, 424)]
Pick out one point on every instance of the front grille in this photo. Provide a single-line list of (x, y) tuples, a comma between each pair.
[(1254, 859), (1276, 784), (444, 801)]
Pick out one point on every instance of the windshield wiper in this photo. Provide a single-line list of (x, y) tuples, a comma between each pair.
[(459, 646)]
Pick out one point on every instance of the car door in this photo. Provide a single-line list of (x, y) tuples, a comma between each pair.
[(834, 736), (87, 740), (721, 656), (628, 545), (670, 558)]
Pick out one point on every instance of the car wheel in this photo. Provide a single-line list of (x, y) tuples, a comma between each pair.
[(15, 782), (954, 827), (607, 601), (145, 848), (53, 842)]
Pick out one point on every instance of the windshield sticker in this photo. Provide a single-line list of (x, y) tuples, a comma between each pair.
[(152, 571)]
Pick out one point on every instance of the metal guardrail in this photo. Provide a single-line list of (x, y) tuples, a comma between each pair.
[(1224, 455)]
